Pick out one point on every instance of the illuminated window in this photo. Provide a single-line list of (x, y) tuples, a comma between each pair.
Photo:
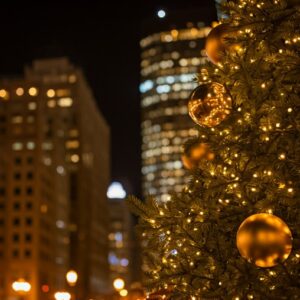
[(51, 93), (73, 133), (72, 78), (124, 262), (4, 94), (17, 119), (74, 158), (33, 91), (60, 170), (47, 146), (44, 208), (183, 62), (51, 103), (32, 105), (72, 144), (17, 146), (47, 161), (65, 102), (60, 224), (30, 145), (19, 91), (63, 92)]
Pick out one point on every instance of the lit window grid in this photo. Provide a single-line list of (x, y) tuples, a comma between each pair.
[(167, 79), (175, 35)]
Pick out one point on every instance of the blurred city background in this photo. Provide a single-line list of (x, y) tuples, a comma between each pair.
[(92, 108)]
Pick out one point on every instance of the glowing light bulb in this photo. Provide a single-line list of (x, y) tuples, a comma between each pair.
[(161, 13)]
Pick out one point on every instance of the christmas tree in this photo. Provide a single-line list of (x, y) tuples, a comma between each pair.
[(233, 232)]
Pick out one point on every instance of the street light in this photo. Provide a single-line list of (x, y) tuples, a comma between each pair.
[(21, 286), (62, 296), (119, 284), (72, 277), (123, 293)]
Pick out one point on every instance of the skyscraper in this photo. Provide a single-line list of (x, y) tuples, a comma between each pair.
[(172, 55), (54, 149)]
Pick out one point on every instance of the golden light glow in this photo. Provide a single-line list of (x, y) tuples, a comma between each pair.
[(72, 277), (4, 94), (33, 91), (62, 296), (21, 286), (75, 158), (19, 91), (123, 293), (50, 93), (119, 284), (65, 102), (264, 239)]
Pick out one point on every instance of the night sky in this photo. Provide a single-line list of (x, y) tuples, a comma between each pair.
[(102, 37)]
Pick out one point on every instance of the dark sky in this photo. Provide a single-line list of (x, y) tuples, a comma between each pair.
[(103, 38)]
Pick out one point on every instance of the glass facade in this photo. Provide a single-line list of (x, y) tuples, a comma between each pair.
[(170, 61)]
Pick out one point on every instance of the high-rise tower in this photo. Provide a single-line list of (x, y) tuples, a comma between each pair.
[(54, 149), (172, 55)]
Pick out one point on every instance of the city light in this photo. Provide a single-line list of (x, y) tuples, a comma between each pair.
[(119, 284), (72, 277), (116, 191), (123, 293), (161, 13), (62, 296), (21, 286)]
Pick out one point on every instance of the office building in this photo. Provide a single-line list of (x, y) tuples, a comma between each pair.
[(54, 149), (172, 55)]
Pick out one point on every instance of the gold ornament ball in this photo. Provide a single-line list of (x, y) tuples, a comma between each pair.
[(195, 154), (216, 44), (209, 104), (264, 239)]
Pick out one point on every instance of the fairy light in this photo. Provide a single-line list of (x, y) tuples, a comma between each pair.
[(263, 85), (290, 110), (282, 156), (281, 185), (290, 190)]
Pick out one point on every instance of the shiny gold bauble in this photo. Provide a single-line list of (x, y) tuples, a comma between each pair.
[(264, 239), (216, 44), (210, 104), (195, 154)]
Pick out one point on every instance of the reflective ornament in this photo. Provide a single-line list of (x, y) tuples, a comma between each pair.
[(195, 154), (216, 43), (264, 239), (210, 104)]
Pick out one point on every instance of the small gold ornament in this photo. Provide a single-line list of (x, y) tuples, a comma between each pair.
[(216, 44), (264, 239), (195, 154), (210, 104)]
